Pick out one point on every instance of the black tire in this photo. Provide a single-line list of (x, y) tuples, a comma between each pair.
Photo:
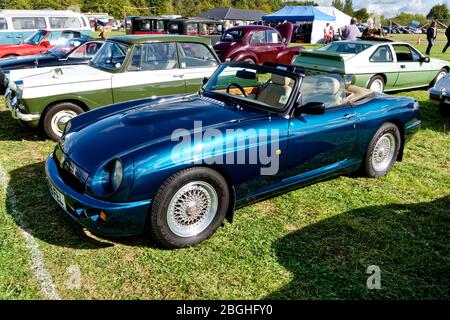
[(374, 79), (54, 110), (444, 109), (9, 56), (158, 225), (386, 130), (249, 60)]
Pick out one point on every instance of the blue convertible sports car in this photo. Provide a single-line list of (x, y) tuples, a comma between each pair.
[(178, 166)]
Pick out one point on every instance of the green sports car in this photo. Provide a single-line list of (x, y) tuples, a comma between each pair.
[(376, 65)]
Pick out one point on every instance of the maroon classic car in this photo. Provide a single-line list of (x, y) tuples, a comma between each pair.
[(257, 44), (39, 42)]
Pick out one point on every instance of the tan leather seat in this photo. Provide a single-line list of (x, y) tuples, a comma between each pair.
[(277, 92), (322, 89)]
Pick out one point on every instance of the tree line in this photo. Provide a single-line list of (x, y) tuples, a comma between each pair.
[(190, 8)]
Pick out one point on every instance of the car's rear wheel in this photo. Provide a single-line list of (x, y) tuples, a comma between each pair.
[(376, 84), (56, 118), (189, 207), (444, 109), (382, 151), (249, 60), (8, 56)]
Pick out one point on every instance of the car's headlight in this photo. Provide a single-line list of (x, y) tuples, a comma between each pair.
[(116, 175)]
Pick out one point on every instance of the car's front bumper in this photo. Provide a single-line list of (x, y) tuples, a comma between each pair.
[(121, 218), (439, 95), (14, 105)]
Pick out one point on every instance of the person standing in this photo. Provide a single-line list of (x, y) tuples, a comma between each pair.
[(447, 34), (431, 36), (326, 33), (350, 32), (331, 34)]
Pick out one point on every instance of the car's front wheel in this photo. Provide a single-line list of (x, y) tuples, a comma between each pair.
[(56, 118), (382, 151), (376, 84), (189, 207), (442, 73)]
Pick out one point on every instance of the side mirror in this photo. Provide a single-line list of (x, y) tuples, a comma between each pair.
[(425, 59), (313, 108), (45, 43), (205, 80)]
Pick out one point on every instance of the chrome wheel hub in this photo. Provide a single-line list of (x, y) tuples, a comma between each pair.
[(377, 86), (192, 209), (383, 152), (60, 119)]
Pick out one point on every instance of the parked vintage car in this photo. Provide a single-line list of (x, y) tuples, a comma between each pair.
[(40, 42), (207, 28), (377, 65), (75, 51), (440, 92), (179, 166), (258, 44), (125, 68)]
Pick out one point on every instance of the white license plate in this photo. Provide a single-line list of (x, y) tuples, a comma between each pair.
[(58, 196)]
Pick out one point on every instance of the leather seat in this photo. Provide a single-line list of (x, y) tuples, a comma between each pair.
[(277, 92), (322, 89)]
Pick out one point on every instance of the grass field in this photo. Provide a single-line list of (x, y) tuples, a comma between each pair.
[(313, 243)]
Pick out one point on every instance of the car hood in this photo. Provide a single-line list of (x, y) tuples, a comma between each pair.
[(37, 77), (146, 125), (17, 62), (286, 29), (15, 46)]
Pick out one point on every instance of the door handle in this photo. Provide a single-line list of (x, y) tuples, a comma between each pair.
[(18, 37), (348, 116), (402, 66), (178, 75), (9, 37)]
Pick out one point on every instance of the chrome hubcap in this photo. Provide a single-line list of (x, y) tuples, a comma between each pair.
[(440, 76), (377, 85), (383, 152), (192, 209), (60, 120)]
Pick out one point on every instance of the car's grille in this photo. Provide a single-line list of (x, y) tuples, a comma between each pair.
[(70, 173)]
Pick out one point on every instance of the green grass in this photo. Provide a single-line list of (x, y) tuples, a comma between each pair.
[(312, 243)]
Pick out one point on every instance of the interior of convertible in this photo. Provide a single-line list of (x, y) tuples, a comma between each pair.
[(275, 90)]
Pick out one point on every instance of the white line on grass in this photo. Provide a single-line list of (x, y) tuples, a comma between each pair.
[(44, 277)]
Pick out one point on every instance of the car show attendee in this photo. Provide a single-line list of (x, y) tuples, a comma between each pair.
[(326, 33), (431, 36), (447, 34), (351, 31)]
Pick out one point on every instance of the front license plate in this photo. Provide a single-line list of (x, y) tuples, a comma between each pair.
[(58, 196)]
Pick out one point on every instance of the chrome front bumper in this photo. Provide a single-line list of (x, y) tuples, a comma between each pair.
[(13, 104)]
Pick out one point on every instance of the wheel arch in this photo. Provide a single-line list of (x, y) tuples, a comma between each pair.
[(79, 103), (401, 129), (378, 74)]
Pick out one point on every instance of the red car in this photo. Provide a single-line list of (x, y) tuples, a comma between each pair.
[(41, 41), (258, 44)]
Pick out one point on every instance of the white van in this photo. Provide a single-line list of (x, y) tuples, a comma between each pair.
[(17, 25)]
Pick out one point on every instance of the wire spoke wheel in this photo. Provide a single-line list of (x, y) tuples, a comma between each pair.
[(383, 152), (192, 209)]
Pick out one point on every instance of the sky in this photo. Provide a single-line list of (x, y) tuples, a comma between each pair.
[(391, 8)]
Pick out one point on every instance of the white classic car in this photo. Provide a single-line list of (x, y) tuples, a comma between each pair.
[(125, 68)]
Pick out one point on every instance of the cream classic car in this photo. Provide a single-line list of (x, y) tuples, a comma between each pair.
[(125, 68)]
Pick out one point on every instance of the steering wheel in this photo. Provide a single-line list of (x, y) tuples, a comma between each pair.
[(237, 86)]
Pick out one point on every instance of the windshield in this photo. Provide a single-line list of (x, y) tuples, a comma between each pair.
[(345, 47), (111, 56), (252, 84), (63, 50), (232, 35), (35, 38)]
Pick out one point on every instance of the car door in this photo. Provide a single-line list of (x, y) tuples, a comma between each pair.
[(196, 61), (6, 34), (258, 44), (274, 44), (153, 71), (321, 141), (412, 70)]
